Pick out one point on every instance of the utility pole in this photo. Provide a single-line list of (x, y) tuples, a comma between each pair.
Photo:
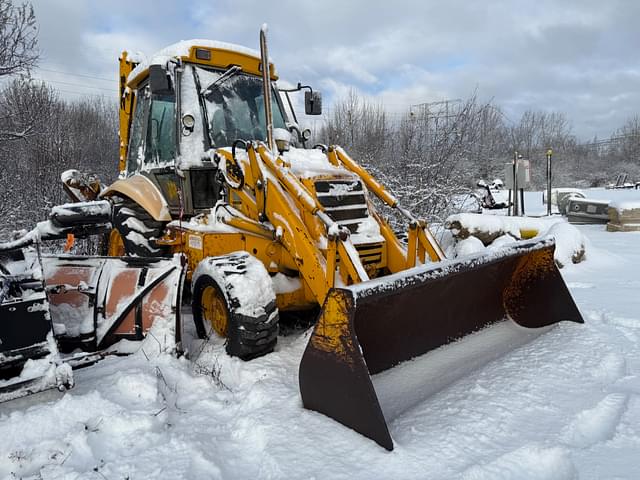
[(515, 184), (549, 154)]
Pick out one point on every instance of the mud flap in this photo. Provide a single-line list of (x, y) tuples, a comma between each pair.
[(98, 301), (371, 327)]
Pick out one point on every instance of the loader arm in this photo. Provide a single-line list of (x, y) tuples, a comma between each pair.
[(420, 238), (270, 191)]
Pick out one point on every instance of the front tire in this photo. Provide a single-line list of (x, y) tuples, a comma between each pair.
[(233, 295), (138, 230)]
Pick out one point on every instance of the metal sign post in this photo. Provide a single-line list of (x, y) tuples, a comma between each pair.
[(549, 154), (515, 184), (517, 174)]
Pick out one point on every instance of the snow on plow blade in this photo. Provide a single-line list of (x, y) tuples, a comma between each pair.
[(97, 301), (368, 328)]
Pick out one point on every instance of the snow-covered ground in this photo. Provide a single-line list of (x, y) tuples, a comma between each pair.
[(502, 404)]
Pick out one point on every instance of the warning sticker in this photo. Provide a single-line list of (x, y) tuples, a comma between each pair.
[(195, 241)]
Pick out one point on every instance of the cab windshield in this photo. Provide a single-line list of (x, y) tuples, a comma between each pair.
[(235, 107)]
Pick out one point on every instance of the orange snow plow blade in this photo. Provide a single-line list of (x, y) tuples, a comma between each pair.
[(97, 301), (371, 327)]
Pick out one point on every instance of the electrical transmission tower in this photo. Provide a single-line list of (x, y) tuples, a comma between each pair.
[(436, 116)]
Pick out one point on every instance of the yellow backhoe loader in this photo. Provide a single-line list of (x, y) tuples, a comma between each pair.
[(214, 166)]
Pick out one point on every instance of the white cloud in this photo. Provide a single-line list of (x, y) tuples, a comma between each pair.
[(574, 56)]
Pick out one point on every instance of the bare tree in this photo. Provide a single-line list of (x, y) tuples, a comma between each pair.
[(18, 38), (18, 53), (628, 146), (24, 104), (62, 135), (432, 157), (427, 158)]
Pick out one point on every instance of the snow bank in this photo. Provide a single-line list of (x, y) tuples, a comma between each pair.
[(570, 244), (534, 462), (474, 231), (596, 424), (623, 205)]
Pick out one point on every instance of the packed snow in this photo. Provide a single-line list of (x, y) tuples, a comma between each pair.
[(309, 163), (559, 403)]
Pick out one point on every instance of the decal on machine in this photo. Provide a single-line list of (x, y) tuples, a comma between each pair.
[(195, 241)]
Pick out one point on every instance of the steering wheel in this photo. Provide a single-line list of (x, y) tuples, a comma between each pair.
[(220, 138)]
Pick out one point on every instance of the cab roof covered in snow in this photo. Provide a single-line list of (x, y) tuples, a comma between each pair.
[(204, 52)]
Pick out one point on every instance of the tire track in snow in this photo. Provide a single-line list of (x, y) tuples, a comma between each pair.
[(611, 369), (528, 462), (597, 424)]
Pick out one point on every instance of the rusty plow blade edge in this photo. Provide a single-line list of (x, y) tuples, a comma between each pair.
[(371, 327)]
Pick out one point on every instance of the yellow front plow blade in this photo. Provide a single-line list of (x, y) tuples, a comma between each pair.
[(373, 326)]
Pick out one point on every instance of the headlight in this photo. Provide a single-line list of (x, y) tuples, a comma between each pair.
[(188, 122)]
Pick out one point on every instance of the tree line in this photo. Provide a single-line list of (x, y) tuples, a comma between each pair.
[(429, 156), (434, 154), (41, 136)]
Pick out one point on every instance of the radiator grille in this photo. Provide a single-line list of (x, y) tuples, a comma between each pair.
[(343, 201)]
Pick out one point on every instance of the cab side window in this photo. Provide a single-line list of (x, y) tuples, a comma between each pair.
[(136, 147), (161, 138)]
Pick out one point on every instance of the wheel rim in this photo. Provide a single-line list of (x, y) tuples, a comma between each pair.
[(116, 244), (214, 310)]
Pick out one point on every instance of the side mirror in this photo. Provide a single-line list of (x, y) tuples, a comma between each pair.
[(313, 103), (159, 82)]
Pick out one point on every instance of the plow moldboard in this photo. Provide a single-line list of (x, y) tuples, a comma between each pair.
[(371, 327)]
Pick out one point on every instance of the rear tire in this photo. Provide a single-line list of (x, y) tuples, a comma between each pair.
[(138, 230), (249, 322)]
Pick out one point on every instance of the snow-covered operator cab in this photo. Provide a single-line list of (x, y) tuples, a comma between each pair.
[(190, 99)]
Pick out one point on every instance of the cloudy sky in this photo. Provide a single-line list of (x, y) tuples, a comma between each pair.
[(574, 56)]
